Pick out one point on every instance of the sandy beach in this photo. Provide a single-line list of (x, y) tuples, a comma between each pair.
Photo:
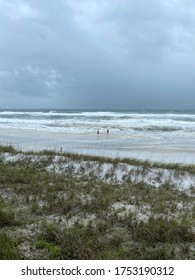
[(115, 146)]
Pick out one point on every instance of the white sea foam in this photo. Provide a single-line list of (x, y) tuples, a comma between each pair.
[(157, 125)]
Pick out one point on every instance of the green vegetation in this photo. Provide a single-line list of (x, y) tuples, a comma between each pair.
[(56, 213), (8, 249), (7, 149), (6, 217)]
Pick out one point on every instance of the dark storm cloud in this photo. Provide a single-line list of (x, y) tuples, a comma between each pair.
[(97, 53)]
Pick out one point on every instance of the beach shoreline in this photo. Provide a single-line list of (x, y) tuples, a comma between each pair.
[(114, 146)]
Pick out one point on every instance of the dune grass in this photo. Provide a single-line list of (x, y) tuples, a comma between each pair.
[(58, 215)]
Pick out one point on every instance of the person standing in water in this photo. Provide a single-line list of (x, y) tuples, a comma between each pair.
[(107, 131), (98, 132)]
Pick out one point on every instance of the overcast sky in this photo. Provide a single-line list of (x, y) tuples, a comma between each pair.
[(100, 54)]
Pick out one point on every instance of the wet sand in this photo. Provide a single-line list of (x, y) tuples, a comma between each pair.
[(166, 150)]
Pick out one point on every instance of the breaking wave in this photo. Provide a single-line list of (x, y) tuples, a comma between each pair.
[(139, 123)]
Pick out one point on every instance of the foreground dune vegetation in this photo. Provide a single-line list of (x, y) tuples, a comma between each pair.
[(67, 206)]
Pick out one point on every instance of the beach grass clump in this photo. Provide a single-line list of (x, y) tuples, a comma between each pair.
[(8, 249), (162, 230), (8, 149), (52, 250), (7, 218)]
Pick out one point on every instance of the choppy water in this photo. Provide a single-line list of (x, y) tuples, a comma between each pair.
[(155, 124)]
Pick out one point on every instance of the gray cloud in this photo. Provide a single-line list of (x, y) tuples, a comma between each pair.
[(97, 53)]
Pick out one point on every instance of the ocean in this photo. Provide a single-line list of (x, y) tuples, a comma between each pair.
[(137, 133), (155, 124)]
